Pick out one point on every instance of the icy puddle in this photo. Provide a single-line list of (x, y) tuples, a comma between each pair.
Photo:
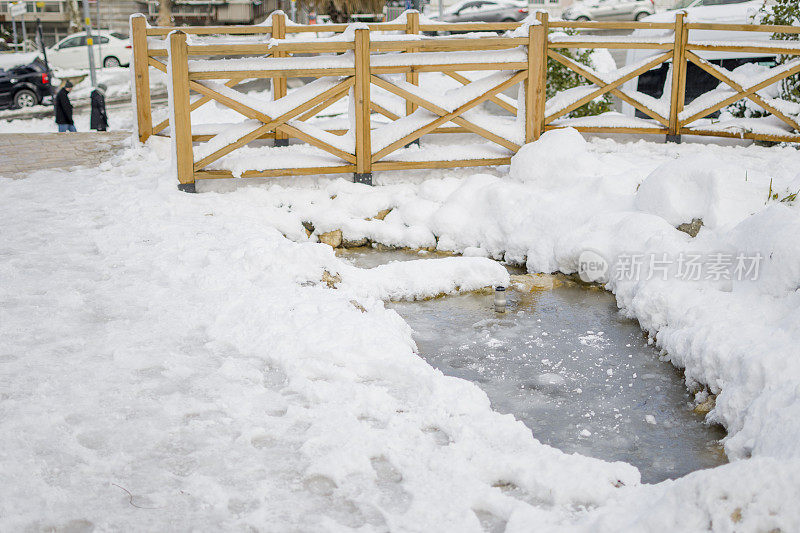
[(567, 364)]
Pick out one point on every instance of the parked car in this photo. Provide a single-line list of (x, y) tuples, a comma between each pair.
[(71, 51), (697, 80), (585, 10), (24, 85), (484, 11)]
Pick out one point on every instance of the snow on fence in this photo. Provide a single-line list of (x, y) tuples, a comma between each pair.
[(362, 62)]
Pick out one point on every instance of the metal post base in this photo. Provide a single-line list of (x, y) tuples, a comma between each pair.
[(674, 139), (186, 187), (412, 143), (362, 177), (281, 142)]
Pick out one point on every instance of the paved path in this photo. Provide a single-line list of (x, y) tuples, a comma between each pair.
[(22, 153)]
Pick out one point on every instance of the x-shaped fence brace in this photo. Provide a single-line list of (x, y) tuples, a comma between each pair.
[(750, 93), (443, 116), (606, 87)]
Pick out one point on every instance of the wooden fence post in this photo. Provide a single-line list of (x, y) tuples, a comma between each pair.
[(141, 77), (279, 88), (412, 28), (363, 172), (678, 96), (181, 120), (536, 83)]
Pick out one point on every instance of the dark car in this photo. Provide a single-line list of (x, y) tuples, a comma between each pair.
[(25, 85), (484, 11)]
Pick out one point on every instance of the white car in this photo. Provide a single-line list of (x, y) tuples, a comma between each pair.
[(585, 10), (705, 11), (111, 49)]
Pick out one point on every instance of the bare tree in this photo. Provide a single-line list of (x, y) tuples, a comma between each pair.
[(164, 13), (75, 17)]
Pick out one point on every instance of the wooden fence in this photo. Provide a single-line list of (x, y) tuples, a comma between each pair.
[(357, 64)]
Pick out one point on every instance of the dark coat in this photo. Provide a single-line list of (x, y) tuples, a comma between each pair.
[(63, 108), (99, 119)]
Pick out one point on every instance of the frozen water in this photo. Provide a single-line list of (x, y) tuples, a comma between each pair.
[(566, 363)]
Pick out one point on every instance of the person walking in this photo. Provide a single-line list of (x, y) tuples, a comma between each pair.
[(63, 108), (99, 119)]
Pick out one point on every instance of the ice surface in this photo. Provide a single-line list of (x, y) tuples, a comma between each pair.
[(565, 362)]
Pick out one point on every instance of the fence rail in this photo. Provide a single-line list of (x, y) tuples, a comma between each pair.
[(361, 67)]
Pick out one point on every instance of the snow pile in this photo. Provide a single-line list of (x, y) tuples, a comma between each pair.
[(560, 155), (696, 187)]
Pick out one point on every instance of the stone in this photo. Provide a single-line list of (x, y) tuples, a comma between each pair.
[(309, 227), (354, 243), (331, 279), (691, 228), (382, 214), (705, 407), (331, 238)]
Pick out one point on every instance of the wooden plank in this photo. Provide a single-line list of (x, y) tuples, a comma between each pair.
[(181, 130), (448, 44), (609, 129), (711, 69), (261, 49), (604, 88), (678, 93), (340, 28), (633, 45), (221, 174), (412, 165), (362, 103), (211, 30), (319, 143), (141, 77), (520, 76), (615, 25), (271, 135), (576, 67), (768, 28), (158, 65), (412, 28), (786, 50), (743, 135), (739, 96), (383, 111), (279, 87), (282, 73), (470, 26), (449, 67), (464, 81), (536, 84)]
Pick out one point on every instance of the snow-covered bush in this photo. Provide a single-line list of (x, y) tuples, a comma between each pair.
[(785, 13)]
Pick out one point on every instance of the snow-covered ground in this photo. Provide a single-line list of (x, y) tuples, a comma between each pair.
[(175, 361)]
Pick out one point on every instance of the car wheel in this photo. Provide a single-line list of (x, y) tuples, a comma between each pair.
[(582, 19), (641, 15), (25, 98), (111, 61), (509, 20)]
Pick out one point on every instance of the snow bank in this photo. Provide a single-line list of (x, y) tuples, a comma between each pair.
[(173, 361)]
